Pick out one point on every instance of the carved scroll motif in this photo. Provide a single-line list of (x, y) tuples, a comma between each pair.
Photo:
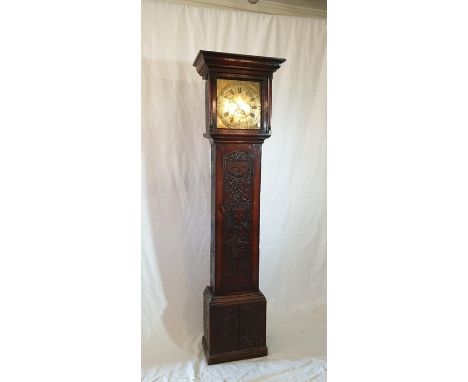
[(237, 168)]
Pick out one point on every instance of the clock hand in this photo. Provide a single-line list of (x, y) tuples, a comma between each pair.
[(234, 102), (239, 108)]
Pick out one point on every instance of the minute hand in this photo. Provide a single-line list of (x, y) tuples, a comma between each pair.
[(239, 107)]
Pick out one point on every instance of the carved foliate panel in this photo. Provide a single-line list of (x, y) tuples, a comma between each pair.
[(237, 210), (224, 326), (252, 325)]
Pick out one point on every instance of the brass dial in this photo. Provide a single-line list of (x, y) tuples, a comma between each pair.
[(238, 104)]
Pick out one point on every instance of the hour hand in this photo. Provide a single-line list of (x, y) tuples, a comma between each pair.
[(239, 108)]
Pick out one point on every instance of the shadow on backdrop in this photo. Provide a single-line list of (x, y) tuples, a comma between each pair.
[(177, 173)]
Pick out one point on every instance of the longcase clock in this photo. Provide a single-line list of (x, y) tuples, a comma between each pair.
[(238, 113)]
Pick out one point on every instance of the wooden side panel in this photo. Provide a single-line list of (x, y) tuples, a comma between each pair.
[(213, 262), (224, 328), (252, 325), (206, 317)]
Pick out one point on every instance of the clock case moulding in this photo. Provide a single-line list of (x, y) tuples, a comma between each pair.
[(234, 311)]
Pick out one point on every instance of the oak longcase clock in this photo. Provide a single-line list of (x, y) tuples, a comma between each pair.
[(238, 111)]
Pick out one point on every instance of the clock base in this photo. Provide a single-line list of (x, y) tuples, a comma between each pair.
[(238, 355), (234, 326)]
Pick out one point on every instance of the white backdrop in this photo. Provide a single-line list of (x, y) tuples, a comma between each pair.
[(176, 193)]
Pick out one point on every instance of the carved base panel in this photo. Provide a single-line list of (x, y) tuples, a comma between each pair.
[(234, 355), (234, 326)]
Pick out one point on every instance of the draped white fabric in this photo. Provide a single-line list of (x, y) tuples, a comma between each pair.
[(176, 193)]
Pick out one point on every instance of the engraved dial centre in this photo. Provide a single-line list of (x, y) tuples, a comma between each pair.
[(238, 104)]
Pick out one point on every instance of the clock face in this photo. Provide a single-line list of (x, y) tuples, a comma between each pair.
[(238, 104)]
